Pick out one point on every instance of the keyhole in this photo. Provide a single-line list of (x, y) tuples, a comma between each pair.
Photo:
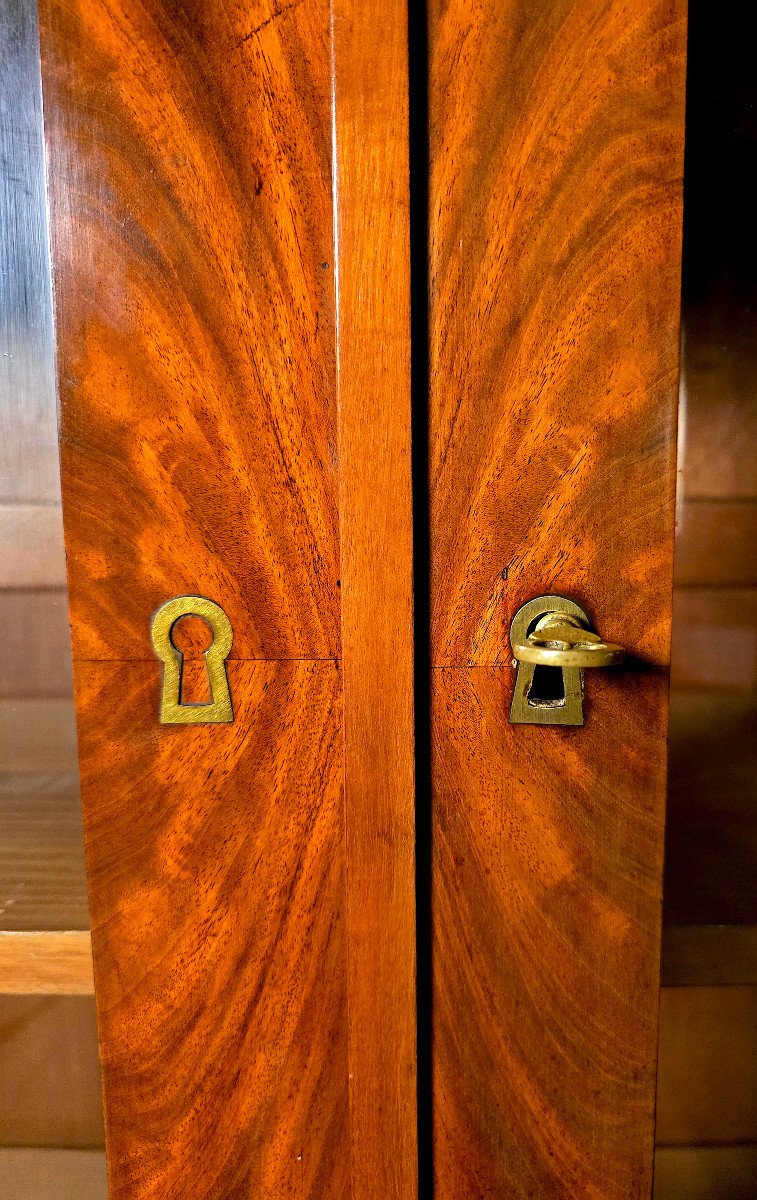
[(192, 636), (547, 687)]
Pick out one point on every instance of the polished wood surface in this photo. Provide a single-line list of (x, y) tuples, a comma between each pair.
[(216, 876), (555, 206), (373, 363), (193, 270), (191, 231), (251, 885)]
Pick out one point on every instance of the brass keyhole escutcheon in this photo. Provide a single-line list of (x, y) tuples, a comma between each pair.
[(220, 710), (552, 635)]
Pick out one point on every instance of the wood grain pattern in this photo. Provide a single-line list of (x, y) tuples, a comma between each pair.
[(189, 156), (373, 246), (555, 193), (191, 230), (251, 885), (547, 865), (216, 876)]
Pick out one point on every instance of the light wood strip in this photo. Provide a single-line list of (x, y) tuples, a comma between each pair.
[(373, 321), (58, 964)]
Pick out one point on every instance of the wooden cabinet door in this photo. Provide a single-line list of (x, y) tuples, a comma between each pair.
[(231, 295), (556, 151), (229, 216)]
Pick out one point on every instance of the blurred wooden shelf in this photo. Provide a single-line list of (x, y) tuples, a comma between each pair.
[(706, 1092), (46, 963), (42, 1174), (711, 840), (50, 1080), (36, 644), (716, 545), (709, 955), (705, 1173), (31, 546), (715, 641), (42, 877)]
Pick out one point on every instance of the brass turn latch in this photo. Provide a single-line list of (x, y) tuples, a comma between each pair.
[(552, 643)]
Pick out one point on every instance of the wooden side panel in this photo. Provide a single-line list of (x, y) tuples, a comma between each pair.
[(555, 193), (372, 226)]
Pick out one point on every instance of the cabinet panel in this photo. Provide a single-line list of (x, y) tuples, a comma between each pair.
[(189, 160), (216, 874), (227, 417), (556, 149)]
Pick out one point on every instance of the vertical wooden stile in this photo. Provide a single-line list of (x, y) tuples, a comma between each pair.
[(373, 387)]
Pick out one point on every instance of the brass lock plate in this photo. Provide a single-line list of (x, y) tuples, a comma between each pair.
[(533, 703), (172, 712)]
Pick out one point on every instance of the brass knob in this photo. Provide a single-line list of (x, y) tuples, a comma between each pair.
[(560, 640)]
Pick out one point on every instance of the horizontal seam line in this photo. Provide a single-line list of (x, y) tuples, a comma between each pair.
[(156, 660)]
